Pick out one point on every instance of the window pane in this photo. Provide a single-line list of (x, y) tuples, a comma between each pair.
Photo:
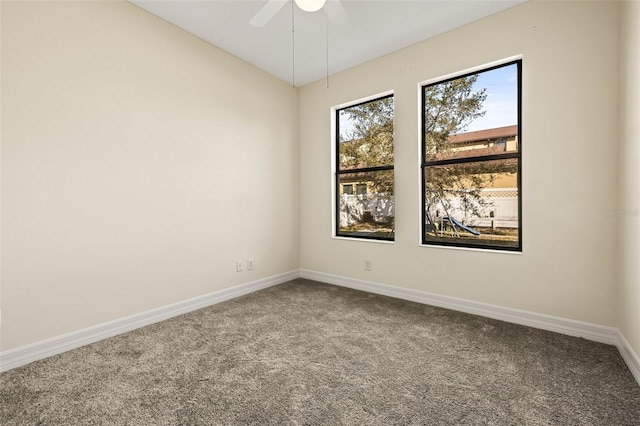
[(364, 174), (471, 157), (366, 135), (473, 204), (471, 116), (368, 214)]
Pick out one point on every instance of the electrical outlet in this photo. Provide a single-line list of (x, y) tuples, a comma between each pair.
[(250, 264), (239, 265), (367, 265)]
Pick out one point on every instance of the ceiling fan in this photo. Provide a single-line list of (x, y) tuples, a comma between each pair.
[(334, 9)]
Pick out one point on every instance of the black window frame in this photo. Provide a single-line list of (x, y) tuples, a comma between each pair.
[(339, 172), (424, 164)]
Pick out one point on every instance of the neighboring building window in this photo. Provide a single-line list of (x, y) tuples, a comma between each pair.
[(471, 160), (364, 157), (347, 189)]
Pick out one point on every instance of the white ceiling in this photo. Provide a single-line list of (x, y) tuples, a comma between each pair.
[(374, 29)]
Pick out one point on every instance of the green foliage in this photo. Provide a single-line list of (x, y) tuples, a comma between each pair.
[(370, 142), (449, 109), (464, 182)]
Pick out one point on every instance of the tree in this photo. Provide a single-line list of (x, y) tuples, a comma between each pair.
[(365, 153), (450, 107), (369, 142)]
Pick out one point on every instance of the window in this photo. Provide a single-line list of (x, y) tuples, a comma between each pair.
[(471, 160), (364, 158)]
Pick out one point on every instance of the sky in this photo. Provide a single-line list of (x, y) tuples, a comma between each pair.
[(501, 105)]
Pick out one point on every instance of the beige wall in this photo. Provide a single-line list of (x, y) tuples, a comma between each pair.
[(138, 162), (629, 220), (569, 134)]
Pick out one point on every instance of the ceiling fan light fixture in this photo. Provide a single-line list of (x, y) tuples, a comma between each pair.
[(310, 5)]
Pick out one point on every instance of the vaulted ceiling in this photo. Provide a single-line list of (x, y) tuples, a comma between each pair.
[(319, 46)]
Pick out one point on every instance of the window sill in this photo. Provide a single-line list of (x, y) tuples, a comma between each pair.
[(476, 249), (366, 240)]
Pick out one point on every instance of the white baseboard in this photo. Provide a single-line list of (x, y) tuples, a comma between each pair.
[(25, 354), (33, 352), (586, 330), (589, 331), (629, 356)]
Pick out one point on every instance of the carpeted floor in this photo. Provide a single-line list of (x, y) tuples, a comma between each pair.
[(315, 354)]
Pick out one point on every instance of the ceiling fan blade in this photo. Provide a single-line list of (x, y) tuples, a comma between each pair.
[(337, 14), (267, 12)]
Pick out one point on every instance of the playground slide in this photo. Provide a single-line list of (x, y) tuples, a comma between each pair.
[(461, 226)]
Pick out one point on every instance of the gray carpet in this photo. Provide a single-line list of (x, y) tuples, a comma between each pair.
[(314, 354)]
